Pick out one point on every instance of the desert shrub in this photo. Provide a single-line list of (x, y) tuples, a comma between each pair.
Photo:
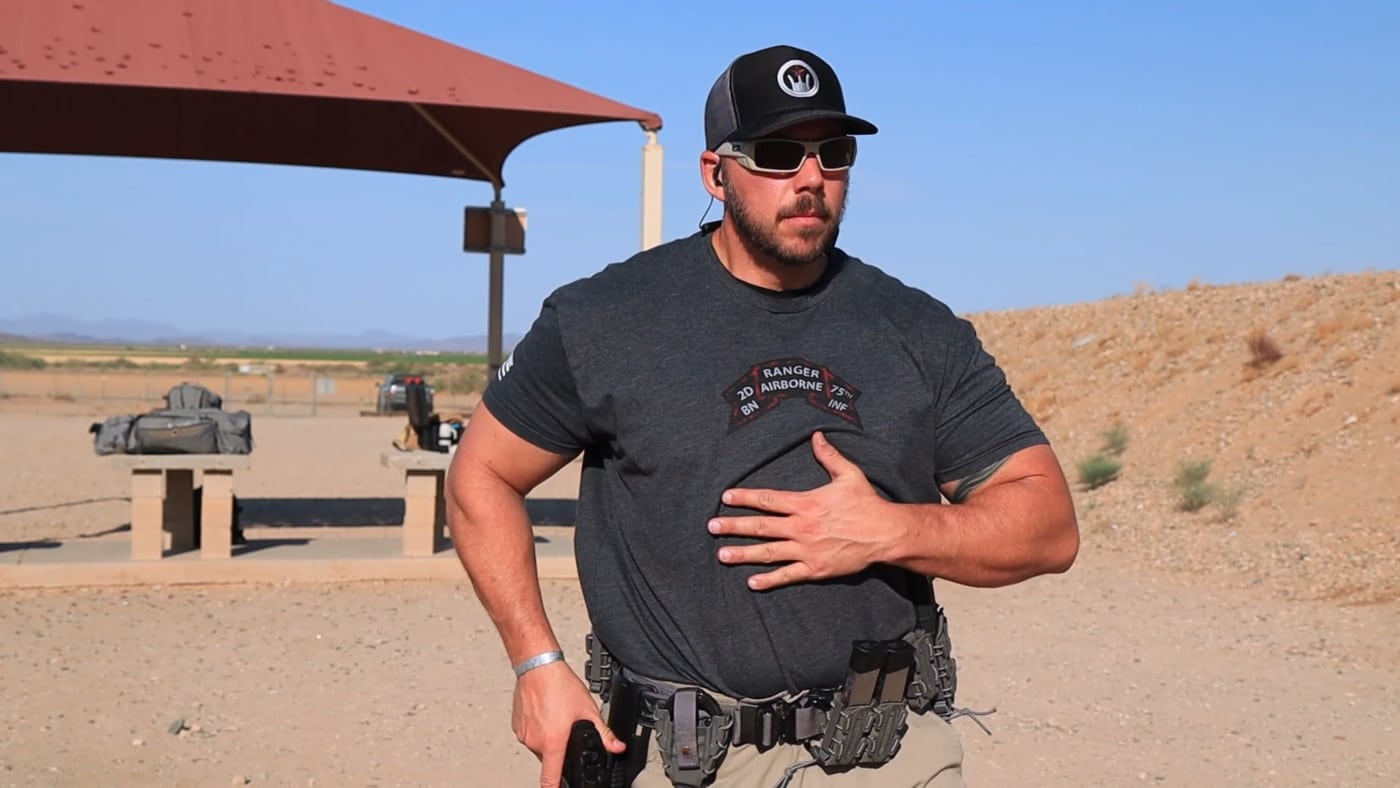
[(1115, 440), (12, 360), (1098, 470), (1263, 350), (120, 362), (1192, 486), (1228, 501), (202, 364)]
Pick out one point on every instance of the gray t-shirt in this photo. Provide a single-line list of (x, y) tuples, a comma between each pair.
[(678, 381)]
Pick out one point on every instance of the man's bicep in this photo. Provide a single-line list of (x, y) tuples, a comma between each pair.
[(1031, 462), (489, 450)]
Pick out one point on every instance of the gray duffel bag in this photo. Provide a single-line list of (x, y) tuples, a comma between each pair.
[(235, 430), (113, 435), (173, 432)]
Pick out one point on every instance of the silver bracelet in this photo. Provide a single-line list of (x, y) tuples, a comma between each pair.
[(536, 661)]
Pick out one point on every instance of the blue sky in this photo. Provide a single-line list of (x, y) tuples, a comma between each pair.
[(1029, 154)]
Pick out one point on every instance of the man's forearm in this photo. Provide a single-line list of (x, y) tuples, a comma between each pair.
[(1005, 534), (492, 536)]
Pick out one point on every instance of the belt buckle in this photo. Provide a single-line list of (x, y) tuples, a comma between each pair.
[(766, 724)]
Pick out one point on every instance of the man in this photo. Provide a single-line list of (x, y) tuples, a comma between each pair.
[(769, 427)]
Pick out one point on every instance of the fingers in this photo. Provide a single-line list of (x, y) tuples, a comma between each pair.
[(788, 502), (782, 576), (763, 500), (765, 553), (613, 744), (832, 460), (552, 767), (761, 527)]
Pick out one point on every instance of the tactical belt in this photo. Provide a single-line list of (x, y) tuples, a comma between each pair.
[(785, 720), (860, 723)]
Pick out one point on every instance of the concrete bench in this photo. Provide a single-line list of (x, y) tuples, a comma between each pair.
[(162, 500), (424, 504)]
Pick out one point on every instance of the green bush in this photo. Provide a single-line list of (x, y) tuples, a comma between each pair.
[(1190, 483), (1115, 440), (12, 360), (1229, 502), (1098, 470)]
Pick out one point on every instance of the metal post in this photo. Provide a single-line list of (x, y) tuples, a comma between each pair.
[(497, 281), (651, 192)]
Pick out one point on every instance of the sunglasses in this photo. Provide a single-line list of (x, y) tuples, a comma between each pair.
[(787, 156)]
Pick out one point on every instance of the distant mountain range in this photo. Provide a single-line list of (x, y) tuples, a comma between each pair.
[(57, 328)]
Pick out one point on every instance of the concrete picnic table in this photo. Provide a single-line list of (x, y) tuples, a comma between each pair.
[(424, 504), (162, 500)]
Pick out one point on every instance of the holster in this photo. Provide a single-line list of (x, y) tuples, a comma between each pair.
[(934, 684), (625, 707), (692, 734)]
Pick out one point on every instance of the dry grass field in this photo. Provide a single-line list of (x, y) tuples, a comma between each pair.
[(1238, 629)]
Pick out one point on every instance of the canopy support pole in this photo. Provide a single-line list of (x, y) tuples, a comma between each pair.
[(651, 192), (496, 298)]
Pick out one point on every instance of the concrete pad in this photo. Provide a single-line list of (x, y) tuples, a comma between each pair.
[(276, 558)]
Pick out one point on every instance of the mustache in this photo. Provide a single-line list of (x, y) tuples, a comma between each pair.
[(807, 205)]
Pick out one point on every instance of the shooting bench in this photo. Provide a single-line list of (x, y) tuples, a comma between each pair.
[(162, 500), (424, 504)]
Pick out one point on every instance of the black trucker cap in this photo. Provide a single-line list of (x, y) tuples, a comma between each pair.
[(766, 90)]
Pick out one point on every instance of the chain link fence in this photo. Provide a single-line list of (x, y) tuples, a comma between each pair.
[(266, 392)]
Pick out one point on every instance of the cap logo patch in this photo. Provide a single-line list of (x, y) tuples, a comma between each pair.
[(797, 79)]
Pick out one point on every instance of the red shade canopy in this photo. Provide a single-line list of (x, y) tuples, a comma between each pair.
[(275, 81)]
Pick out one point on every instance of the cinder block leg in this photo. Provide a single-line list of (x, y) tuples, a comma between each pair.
[(216, 517), (440, 525), (422, 507), (147, 509), (179, 508)]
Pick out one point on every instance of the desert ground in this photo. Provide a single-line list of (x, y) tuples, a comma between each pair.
[(1252, 642)]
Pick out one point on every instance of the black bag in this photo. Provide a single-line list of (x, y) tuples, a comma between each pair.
[(421, 418), (174, 432)]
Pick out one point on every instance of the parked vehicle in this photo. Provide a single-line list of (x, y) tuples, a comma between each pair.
[(393, 392)]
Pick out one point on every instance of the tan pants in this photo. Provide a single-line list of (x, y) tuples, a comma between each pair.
[(930, 755)]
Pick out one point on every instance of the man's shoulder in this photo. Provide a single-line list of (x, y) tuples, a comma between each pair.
[(638, 278), (895, 298)]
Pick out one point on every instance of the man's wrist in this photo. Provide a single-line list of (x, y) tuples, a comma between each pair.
[(906, 539), (539, 660)]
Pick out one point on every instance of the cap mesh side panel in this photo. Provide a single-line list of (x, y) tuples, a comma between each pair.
[(720, 121)]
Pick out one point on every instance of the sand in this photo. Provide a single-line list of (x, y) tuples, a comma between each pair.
[(1103, 676)]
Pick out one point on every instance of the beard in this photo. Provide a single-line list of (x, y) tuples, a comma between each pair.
[(809, 245)]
